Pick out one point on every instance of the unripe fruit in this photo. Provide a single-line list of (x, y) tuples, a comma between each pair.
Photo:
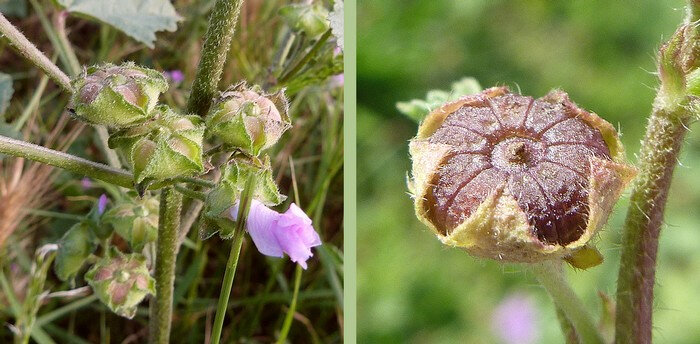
[(116, 96), (121, 282), (167, 146), (248, 119), (514, 178), (135, 220)]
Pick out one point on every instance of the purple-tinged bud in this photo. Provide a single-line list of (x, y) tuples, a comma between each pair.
[(116, 96), (102, 204), (514, 178), (121, 282), (249, 119)]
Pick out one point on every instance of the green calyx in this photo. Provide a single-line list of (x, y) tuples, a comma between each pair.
[(121, 282), (168, 145), (74, 248), (135, 220), (678, 68), (116, 96), (234, 176), (248, 119), (311, 19)]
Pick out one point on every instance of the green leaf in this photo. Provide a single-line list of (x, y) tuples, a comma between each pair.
[(140, 19), (13, 8), (6, 90), (417, 109)]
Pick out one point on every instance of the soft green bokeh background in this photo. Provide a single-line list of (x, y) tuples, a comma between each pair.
[(412, 289)]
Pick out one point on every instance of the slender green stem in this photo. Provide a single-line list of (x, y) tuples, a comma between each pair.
[(222, 24), (190, 193), (292, 307), (66, 161), (169, 224), (302, 62), (227, 284), (196, 181), (640, 237), (551, 275), (33, 103), (32, 301), (567, 328), (59, 22), (31, 53)]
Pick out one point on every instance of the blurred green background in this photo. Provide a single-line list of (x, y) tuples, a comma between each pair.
[(412, 289)]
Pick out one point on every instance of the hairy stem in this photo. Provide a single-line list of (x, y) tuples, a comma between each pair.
[(169, 224), (66, 161), (567, 328), (31, 53), (227, 284), (640, 238), (551, 275), (222, 24), (82, 166)]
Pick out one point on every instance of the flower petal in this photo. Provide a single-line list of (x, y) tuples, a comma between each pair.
[(102, 204), (260, 220), (293, 245)]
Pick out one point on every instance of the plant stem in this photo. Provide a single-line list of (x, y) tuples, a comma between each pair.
[(33, 103), (32, 301), (31, 53), (66, 161), (551, 275), (227, 284), (567, 328), (82, 166), (169, 224), (222, 24), (292, 307), (59, 22), (193, 194), (640, 238), (302, 62)]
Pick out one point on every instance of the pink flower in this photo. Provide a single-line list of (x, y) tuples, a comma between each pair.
[(515, 320), (275, 234), (86, 183), (175, 76)]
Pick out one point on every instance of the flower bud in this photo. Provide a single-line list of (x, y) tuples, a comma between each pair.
[(514, 178), (116, 96), (307, 18), (248, 118), (73, 249), (167, 146), (94, 219), (234, 176), (135, 220), (121, 282)]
